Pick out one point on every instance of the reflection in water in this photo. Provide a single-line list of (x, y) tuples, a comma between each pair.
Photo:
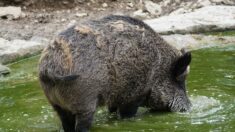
[(211, 84)]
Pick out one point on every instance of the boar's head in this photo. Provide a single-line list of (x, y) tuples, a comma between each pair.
[(169, 91)]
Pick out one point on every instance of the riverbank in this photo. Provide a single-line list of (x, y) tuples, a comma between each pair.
[(28, 33)]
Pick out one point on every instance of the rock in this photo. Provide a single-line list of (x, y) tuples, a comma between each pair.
[(4, 70), (15, 49), (179, 11), (10, 12), (226, 2), (39, 39), (152, 8), (169, 6), (202, 3), (63, 20), (71, 23), (193, 42), (81, 14), (104, 5), (210, 18), (140, 14), (130, 4)]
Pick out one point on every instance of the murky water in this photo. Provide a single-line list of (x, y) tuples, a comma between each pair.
[(211, 86)]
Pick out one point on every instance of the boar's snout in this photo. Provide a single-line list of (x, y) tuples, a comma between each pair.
[(161, 102), (180, 104)]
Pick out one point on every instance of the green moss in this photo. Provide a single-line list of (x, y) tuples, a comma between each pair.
[(224, 33)]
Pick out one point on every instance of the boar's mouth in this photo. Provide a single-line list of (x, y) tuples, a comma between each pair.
[(180, 104), (177, 103)]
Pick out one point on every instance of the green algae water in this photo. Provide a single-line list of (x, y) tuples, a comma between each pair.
[(211, 86)]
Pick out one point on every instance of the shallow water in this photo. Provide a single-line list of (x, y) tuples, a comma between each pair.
[(211, 86)]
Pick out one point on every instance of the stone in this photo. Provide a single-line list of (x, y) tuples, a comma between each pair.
[(81, 14), (71, 23), (140, 14), (194, 42), (4, 70), (131, 5), (104, 5), (63, 20), (226, 2), (152, 8), (179, 11), (13, 50), (209, 18), (10, 12)]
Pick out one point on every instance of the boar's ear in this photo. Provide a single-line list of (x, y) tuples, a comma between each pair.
[(181, 67)]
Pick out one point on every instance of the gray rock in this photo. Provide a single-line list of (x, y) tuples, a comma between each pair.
[(104, 5), (169, 6), (226, 2), (153, 8), (193, 42), (10, 12), (179, 11), (4, 70), (140, 14), (210, 18), (15, 49), (81, 14)]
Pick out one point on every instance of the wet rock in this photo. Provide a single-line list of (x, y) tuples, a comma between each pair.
[(10, 12), (16, 49), (4, 70), (152, 8), (210, 18)]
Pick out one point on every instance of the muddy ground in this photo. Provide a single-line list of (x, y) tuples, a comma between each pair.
[(47, 21)]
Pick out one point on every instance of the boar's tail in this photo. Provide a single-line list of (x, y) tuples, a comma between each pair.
[(51, 78)]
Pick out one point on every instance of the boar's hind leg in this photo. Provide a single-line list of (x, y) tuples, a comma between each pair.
[(127, 111), (67, 119)]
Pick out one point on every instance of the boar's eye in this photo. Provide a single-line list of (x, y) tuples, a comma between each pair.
[(181, 66)]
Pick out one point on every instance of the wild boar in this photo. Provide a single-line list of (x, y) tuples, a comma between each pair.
[(117, 61)]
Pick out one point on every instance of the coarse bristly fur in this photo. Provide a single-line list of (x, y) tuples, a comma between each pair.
[(118, 61)]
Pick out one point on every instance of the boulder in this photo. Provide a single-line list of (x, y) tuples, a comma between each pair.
[(10, 12), (209, 18), (140, 14), (13, 50), (226, 2), (193, 42), (152, 8)]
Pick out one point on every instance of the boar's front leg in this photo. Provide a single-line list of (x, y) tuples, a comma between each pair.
[(84, 121), (128, 110), (67, 119), (84, 115), (112, 108)]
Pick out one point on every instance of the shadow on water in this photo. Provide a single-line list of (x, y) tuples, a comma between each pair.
[(211, 86)]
